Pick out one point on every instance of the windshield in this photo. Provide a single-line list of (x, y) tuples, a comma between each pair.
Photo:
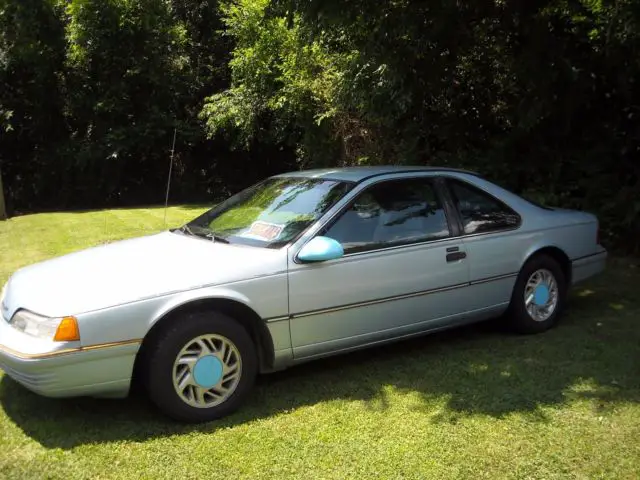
[(271, 213)]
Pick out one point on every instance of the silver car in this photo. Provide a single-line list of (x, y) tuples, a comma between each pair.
[(300, 266)]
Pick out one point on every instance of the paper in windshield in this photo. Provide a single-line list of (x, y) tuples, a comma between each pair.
[(264, 230)]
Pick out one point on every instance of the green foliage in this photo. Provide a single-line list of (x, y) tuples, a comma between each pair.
[(32, 123), (542, 97), (280, 83), (5, 119), (91, 92), (111, 90)]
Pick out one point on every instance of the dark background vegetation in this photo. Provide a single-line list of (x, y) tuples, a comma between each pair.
[(542, 97)]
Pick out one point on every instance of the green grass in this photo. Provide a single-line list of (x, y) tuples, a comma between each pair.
[(470, 403)]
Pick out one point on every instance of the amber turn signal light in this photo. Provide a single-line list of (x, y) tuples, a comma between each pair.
[(67, 330)]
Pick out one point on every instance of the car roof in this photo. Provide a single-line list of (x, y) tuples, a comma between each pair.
[(359, 174)]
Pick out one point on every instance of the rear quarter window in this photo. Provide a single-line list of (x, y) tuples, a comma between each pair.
[(479, 211)]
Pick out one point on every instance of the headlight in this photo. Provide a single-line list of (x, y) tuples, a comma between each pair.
[(59, 329)]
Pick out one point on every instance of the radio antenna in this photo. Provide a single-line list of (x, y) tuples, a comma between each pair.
[(166, 198)]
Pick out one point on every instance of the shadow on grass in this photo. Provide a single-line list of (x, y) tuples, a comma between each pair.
[(475, 370)]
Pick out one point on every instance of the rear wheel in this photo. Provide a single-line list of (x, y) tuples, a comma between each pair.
[(539, 295), (201, 368)]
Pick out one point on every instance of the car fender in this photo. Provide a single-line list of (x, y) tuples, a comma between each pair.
[(555, 250), (241, 309), (184, 298)]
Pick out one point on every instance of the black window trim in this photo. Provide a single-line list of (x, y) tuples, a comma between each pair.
[(452, 222), (447, 182), (451, 212)]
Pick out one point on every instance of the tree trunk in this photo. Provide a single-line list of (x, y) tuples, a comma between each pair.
[(3, 206)]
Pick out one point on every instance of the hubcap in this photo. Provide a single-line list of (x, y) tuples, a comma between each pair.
[(541, 295), (207, 371)]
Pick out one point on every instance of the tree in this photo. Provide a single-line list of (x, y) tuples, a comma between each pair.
[(31, 59), (542, 96), (283, 87)]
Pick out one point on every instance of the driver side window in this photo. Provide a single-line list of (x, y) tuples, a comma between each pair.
[(391, 213)]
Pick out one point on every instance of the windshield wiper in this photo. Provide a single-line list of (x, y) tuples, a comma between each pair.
[(216, 238), (201, 233), (183, 229)]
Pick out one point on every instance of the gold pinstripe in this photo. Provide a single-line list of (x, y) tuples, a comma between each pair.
[(66, 351)]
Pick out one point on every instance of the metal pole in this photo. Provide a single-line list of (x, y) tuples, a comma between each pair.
[(166, 198)]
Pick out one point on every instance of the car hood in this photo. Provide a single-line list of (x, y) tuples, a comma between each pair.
[(136, 269)]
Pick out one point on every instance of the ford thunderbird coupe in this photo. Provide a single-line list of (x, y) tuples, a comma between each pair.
[(300, 266)]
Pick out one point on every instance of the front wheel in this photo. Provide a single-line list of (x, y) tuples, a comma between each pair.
[(539, 295), (201, 368)]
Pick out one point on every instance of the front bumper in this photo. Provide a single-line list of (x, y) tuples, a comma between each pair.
[(98, 370), (586, 267)]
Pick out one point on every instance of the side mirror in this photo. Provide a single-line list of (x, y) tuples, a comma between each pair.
[(321, 249)]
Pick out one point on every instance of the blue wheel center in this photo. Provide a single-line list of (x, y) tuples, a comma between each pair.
[(541, 295), (207, 371)]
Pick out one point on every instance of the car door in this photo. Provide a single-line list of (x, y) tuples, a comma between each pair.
[(404, 271), (494, 244)]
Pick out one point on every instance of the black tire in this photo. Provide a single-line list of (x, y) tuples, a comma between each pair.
[(518, 317), (162, 353)]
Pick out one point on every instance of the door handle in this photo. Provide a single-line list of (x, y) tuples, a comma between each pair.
[(453, 257)]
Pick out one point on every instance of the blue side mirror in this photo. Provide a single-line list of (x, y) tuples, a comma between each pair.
[(321, 249)]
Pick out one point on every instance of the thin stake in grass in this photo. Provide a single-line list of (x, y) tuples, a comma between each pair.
[(166, 198)]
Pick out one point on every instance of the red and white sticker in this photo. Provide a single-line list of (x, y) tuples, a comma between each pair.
[(264, 230)]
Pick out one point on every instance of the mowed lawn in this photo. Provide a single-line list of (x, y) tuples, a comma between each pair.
[(471, 403)]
